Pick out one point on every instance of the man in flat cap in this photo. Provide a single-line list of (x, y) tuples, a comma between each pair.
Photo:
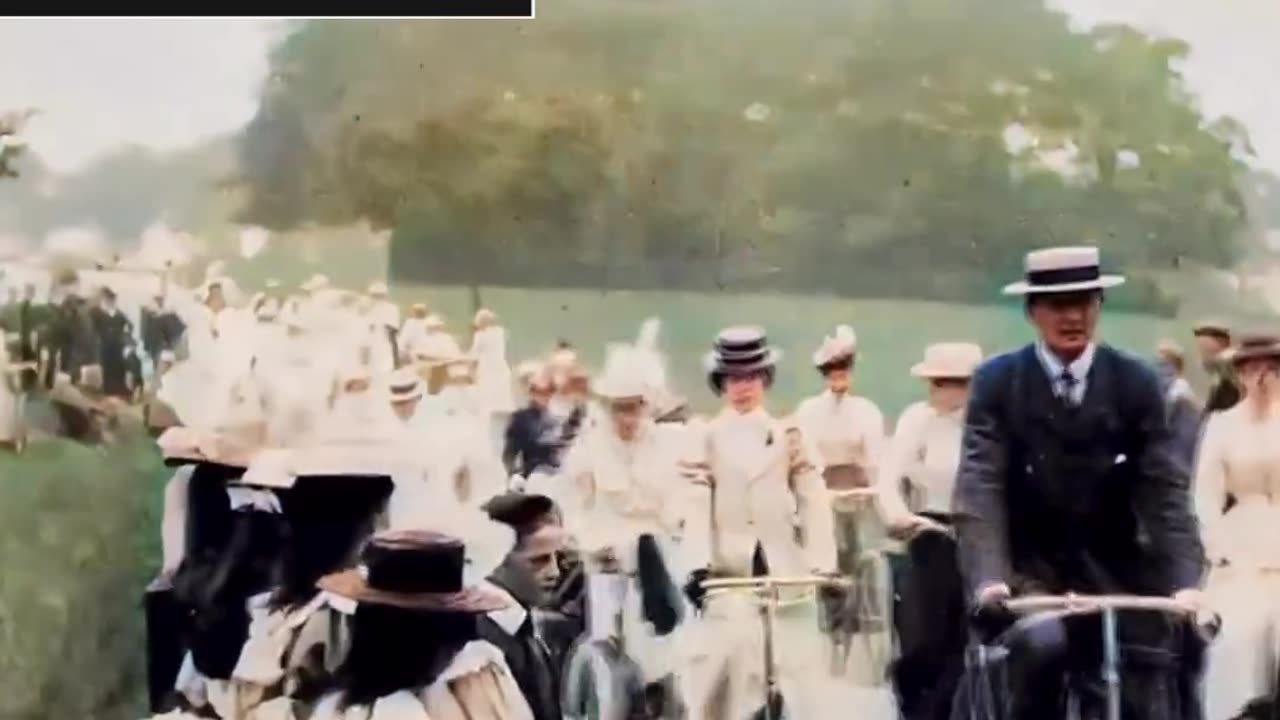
[(1212, 340)]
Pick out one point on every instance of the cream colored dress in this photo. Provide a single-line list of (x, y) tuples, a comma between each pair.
[(767, 489), (1241, 456), (925, 450), (619, 491), (845, 429)]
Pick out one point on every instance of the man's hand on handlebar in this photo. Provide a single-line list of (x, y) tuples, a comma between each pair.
[(990, 614)]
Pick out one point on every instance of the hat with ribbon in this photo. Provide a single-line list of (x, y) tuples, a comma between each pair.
[(405, 385), (414, 570), (1063, 270), (1253, 347), (741, 350), (836, 348)]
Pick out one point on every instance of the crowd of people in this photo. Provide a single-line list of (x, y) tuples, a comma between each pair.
[(369, 522)]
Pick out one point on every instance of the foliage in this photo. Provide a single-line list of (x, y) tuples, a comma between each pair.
[(745, 144), (125, 192), (78, 547), (11, 124)]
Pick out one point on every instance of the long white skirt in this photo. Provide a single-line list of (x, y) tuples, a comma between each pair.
[(1244, 660), (723, 676)]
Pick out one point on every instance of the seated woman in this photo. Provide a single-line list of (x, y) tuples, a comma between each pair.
[(921, 465), (1239, 456)]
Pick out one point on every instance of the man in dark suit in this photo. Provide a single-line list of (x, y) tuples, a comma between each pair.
[(534, 436), (530, 574), (1067, 484), (1212, 340)]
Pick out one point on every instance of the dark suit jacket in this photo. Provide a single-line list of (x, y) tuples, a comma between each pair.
[(1053, 498), (532, 442), (532, 662)]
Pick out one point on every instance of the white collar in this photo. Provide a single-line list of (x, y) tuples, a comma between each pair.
[(1053, 364), (510, 618)]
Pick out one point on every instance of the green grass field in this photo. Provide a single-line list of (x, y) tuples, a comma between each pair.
[(892, 334)]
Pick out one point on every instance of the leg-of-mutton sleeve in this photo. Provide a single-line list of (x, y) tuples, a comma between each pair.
[(1210, 492), (907, 443)]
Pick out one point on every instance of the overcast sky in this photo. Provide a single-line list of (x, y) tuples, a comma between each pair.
[(167, 83)]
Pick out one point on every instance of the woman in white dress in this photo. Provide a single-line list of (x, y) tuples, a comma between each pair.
[(847, 433), (1237, 498), (493, 390), (914, 496)]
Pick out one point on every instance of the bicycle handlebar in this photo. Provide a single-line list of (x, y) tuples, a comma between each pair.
[(775, 581), (1096, 603)]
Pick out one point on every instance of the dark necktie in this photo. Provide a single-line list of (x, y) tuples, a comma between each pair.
[(1067, 387)]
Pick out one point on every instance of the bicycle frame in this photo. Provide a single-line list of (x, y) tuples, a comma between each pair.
[(1049, 606), (767, 590)]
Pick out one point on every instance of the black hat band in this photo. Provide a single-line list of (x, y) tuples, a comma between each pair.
[(1063, 276)]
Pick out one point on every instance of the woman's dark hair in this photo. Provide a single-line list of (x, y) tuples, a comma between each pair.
[(328, 520), (716, 379), (396, 649), (844, 362)]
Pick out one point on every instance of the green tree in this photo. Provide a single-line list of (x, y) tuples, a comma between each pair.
[(855, 148)]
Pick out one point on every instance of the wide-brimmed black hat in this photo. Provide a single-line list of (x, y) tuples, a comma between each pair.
[(741, 350), (414, 570)]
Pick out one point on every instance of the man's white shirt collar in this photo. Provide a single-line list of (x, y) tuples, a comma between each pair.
[(1079, 368)]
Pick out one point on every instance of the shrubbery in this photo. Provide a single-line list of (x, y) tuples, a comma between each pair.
[(78, 548)]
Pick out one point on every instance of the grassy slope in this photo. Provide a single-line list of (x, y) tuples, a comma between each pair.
[(78, 548), (891, 334)]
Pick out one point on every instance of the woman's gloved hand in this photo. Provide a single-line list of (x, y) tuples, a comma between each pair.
[(693, 587)]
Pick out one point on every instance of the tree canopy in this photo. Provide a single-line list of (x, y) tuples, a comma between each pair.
[(888, 147)]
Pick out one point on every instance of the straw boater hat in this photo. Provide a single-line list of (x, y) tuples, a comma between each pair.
[(1254, 347), (405, 385), (836, 349), (945, 361), (1063, 270), (414, 570)]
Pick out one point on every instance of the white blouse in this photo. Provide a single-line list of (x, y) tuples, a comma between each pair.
[(1240, 456), (845, 429), (926, 451)]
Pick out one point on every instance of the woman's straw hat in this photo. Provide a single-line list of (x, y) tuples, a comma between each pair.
[(950, 360)]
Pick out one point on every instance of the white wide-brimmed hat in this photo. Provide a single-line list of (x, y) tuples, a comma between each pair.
[(624, 376), (1063, 270), (404, 385), (834, 348), (433, 322), (949, 360), (377, 289)]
